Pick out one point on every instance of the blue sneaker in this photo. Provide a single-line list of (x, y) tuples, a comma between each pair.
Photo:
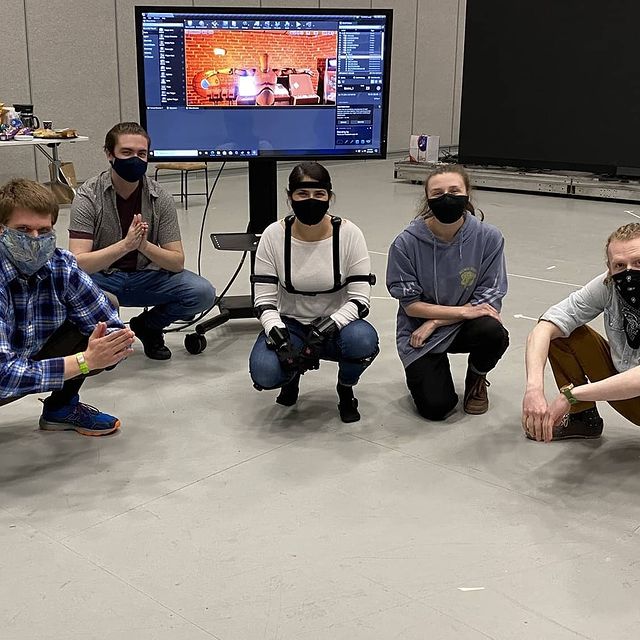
[(80, 417)]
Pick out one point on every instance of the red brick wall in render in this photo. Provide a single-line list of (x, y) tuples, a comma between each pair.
[(285, 48)]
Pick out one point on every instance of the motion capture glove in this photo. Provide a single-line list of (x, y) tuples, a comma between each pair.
[(279, 341), (320, 330)]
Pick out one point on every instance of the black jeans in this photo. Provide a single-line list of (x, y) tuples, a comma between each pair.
[(65, 341), (429, 377)]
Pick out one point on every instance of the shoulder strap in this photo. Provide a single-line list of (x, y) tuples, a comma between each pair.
[(337, 276), (288, 223)]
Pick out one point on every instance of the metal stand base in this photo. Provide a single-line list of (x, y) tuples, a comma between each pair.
[(263, 203), (574, 185), (231, 308)]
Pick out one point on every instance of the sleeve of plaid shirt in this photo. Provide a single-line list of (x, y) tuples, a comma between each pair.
[(19, 376), (86, 305)]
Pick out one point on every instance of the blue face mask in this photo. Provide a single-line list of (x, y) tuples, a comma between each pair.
[(26, 253), (129, 169)]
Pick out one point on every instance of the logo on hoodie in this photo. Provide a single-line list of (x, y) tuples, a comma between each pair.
[(467, 276)]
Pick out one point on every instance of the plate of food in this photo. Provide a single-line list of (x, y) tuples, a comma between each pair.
[(55, 134)]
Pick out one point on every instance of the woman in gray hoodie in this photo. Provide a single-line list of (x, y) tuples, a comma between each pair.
[(448, 272)]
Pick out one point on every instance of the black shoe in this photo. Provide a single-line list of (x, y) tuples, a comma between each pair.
[(289, 393), (152, 339), (349, 410), (348, 405), (586, 425)]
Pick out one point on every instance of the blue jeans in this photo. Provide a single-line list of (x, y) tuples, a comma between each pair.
[(353, 348), (173, 296)]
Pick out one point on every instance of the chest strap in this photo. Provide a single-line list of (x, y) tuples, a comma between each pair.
[(337, 276)]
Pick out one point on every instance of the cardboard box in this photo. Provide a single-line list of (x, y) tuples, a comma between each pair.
[(424, 148), (63, 193)]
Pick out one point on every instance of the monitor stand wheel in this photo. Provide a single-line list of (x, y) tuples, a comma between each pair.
[(230, 308), (194, 343)]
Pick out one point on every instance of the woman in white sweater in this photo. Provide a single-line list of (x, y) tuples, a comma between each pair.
[(312, 288)]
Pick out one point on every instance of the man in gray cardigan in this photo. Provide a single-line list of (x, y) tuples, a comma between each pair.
[(124, 232), (588, 368)]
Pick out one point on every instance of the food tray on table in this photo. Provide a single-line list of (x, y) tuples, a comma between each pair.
[(55, 134)]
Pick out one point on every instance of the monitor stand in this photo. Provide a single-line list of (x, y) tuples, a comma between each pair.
[(263, 210)]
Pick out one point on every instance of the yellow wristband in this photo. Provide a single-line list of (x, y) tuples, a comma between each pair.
[(82, 364)]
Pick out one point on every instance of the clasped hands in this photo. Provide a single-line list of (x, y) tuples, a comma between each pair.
[(137, 234), (308, 356)]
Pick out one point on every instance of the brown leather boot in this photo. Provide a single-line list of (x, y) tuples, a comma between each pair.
[(476, 400)]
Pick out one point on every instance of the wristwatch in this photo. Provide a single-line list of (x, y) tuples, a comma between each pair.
[(566, 392)]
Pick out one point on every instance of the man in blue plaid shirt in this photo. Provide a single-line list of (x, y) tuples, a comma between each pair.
[(56, 325)]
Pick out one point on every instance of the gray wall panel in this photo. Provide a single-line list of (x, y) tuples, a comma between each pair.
[(87, 79), (227, 3), (345, 4), (127, 54), (402, 71), (435, 68), (294, 4), (74, 78), (17, 163), (14, 85), (457, 95)]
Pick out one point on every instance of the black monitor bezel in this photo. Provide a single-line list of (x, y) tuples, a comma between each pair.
[(277, 11)]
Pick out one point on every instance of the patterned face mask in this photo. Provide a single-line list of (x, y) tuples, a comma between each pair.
[(28, 254), (627, 284)]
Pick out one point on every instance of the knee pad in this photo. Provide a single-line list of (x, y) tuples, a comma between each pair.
[(365, 361)]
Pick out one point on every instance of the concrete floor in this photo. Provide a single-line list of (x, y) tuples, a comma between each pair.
[(217, 514)]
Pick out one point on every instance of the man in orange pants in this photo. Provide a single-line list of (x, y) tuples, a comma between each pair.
[(588, 368)]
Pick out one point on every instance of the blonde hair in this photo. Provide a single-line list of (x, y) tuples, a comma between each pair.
[(624, 233), (21, 193)]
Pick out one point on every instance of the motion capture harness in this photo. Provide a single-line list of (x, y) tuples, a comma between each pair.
[(337, 276)]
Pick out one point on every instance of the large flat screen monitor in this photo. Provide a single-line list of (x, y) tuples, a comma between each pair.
[(552, 84), (245, 84)]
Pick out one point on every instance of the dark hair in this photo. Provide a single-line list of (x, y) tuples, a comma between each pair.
[(27, 194), (313, 170), (424, 211), (123, 128)]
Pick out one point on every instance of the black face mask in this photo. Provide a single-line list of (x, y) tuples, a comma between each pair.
[(129, 169), (310, 211), (627, 284), (448, 208)]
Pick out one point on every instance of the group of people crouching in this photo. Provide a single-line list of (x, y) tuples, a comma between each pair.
[(312, 279)]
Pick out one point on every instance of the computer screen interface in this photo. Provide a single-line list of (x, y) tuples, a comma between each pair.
[(248, 84)]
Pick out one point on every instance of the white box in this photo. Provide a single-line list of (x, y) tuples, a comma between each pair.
[(424, 148)]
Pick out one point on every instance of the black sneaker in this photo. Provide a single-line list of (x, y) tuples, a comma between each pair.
[(152, 339), (586, 425)]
